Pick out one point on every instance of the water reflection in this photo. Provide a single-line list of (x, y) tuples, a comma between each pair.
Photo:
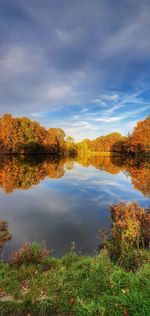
[(23, 173), (4, 233), (139, 172), (62, 200)]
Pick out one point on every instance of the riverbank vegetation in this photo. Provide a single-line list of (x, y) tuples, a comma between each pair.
[(116, 281), (24, 136), (135, 144), (74, 285)]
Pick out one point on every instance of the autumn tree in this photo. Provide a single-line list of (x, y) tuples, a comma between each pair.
[(140, 139), (102, 143), (21, 135), (71, 147), (55, 140)]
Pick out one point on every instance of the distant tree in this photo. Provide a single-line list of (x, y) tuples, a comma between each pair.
[(105, 143), (70, 139), (71, 147)]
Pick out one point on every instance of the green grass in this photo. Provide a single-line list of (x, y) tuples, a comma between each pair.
[(74, 285)]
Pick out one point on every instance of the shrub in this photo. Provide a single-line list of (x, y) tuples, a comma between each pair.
[(30, 253), (129, 234), (130, 223)]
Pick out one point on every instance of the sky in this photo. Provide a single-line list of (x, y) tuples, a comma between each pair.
[(80, 65)]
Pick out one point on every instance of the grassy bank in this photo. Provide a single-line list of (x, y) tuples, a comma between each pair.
[(74, 285), (114, 282)]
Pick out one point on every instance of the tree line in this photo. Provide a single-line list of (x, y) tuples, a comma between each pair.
[(24, 136), (114, 143)]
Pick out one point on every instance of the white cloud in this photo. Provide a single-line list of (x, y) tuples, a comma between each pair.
[(124, 100), (37, 114), (99, 101), (105, 99), (108, 119), (110, 97)]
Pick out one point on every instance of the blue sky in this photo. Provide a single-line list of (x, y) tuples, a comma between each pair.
[(80, 65)]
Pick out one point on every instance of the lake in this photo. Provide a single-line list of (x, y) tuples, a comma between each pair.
[(61, 201)]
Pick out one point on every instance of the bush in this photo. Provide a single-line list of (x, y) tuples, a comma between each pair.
[(130, 235), (30, 253)]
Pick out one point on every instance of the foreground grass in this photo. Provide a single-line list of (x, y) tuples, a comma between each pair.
[(74, 285)]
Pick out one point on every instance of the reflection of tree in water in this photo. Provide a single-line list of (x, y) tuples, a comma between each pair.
[(99, 162), (138, 170), (4, 233), (141, 180), (69, 165), (23, 173)]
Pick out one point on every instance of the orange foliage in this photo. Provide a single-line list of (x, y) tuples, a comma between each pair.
[(15, 174), (126, 219), (116, 144), (137, 169), (22, 174), (99, 162), (141, 179), (21, 135), (140, 140), (130, 223), (130, 235)]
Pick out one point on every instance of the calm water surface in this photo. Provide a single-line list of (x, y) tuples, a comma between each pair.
[(65, 202)]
